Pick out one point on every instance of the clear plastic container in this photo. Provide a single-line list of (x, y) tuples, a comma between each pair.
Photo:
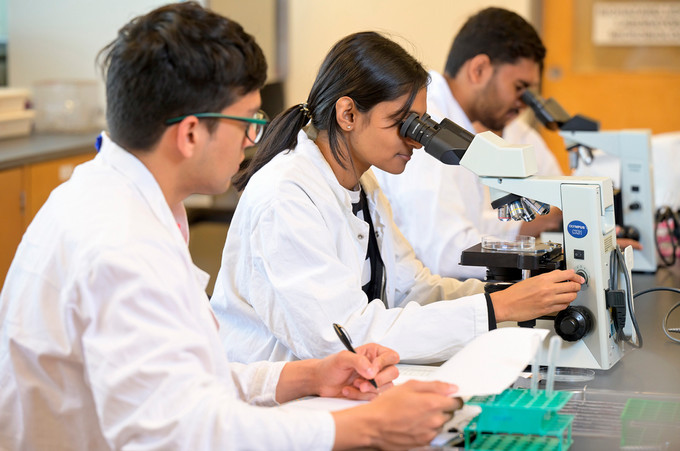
[(603, 419), (570, 375), (518, 243), (67, 106)]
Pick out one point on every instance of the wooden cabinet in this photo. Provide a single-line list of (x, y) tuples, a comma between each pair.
[(12, 200), (23, 190)]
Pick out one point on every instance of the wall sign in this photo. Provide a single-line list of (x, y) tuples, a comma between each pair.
[(636, 24)]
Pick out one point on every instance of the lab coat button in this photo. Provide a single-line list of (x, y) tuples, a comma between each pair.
[(360, 236)]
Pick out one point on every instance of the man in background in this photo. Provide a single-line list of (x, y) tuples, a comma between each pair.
[(443, 210)]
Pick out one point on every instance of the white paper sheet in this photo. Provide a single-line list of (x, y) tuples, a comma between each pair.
[(492, 361), (318, 403), (417, 372), (487, 365)]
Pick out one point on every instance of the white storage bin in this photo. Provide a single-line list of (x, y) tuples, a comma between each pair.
[(16, 124), (13, 100)]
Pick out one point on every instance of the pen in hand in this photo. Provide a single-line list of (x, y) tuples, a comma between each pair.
[(344, 338)]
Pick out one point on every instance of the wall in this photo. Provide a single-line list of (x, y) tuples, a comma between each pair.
[(60, 39), (426, 30), (258, 17), (3, 20)]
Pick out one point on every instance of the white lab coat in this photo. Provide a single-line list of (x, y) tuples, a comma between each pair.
[(292, 267), (108, 339)]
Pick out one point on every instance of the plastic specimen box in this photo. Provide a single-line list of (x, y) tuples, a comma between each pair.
[(516, 419)]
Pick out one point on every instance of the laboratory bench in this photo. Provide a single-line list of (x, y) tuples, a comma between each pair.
[(656, 366), (30, 168), (649, 373), (646, 376), (40, 148)]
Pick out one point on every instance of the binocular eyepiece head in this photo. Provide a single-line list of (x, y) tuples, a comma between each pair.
[(446, 141)]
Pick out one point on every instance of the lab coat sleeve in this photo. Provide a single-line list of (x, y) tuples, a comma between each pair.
[(256, 382), (154, 370), (300, 286)]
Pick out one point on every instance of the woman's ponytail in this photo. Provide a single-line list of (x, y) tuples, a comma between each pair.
[(280, 134)]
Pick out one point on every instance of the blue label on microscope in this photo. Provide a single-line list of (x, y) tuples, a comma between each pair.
[(577, 229)]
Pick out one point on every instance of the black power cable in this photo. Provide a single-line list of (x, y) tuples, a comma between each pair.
[(617, 261)]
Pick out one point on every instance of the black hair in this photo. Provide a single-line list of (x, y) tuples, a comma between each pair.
[(367, 67), (178, 59), (502, 35)]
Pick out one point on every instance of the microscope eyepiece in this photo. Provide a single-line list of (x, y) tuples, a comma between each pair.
[(550, 113), (553, 116), (419, 129), (445, 141)]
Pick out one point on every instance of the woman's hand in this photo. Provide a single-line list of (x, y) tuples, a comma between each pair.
[(537, 296)]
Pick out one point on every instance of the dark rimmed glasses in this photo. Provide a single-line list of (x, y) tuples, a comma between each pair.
[(255, 128)]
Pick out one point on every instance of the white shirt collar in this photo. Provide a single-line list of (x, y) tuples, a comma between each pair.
[(441, 103), (131, 168)]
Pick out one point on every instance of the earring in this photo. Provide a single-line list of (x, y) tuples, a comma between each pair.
[(348, 127)]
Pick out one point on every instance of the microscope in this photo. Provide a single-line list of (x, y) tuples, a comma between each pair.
[(632, 147), (597, 323)]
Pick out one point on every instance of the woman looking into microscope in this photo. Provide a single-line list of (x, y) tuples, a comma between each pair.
[(312, 241)]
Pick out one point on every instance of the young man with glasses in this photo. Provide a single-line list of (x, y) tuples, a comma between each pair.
[(108, 339)]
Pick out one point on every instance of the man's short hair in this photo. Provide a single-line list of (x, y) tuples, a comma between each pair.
[(178, 59), (502, 35)]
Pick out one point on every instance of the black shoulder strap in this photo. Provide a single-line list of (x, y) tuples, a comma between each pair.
[(373, 289)]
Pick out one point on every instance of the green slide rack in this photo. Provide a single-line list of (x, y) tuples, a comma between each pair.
[(515, 419)]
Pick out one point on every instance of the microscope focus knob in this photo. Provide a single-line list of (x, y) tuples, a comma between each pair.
[(584, 274), (573, 323)]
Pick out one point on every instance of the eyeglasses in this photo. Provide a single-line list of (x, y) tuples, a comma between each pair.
[(255, 128)]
